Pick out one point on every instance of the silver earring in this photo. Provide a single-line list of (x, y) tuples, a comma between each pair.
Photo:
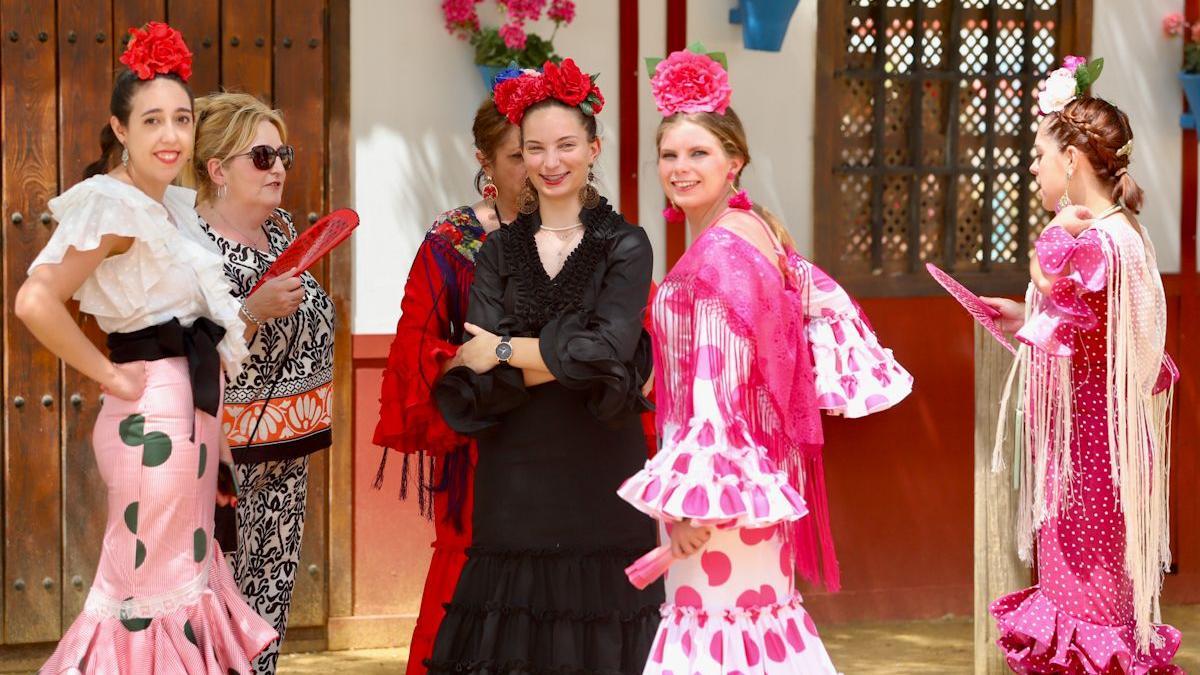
[(124, 156), (222, 190)]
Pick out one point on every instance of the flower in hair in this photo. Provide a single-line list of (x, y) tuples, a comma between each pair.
[(563, 82), (1065, 84), (157, 49), (690, 81)]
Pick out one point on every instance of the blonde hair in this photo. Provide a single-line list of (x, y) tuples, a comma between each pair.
[(226, 124), (732, 136)]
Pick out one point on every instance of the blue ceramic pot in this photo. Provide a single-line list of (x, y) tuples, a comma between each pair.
[(1191, 88), (764, 22)]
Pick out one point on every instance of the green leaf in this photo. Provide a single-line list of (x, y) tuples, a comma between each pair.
[(131, 517), (200, 544), (719, 57), (697, 48), (587, 108), (1096, 67), (131, 429), (157, 448), (651, 64)]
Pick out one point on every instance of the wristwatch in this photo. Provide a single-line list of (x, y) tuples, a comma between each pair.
[(504, 349)]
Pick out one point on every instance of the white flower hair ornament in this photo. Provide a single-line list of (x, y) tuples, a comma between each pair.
[(1062, 86)]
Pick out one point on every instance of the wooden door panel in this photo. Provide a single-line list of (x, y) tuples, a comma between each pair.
[(128, 14), (32, 503), (200, 23), (246, 48), (85, 85)]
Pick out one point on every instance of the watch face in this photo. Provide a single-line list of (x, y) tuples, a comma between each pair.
[(503, 351)]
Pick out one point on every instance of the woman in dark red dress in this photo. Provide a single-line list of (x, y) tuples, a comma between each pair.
[(427, 337)]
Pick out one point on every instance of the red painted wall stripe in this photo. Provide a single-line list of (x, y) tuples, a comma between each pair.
[(628, 114), (676, 40)]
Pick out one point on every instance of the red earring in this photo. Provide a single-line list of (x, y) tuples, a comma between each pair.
[(674, 215)]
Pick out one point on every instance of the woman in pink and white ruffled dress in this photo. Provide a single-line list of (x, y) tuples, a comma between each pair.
[(751, 342)]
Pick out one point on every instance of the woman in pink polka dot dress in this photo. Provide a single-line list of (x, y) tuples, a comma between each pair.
[(1092, 451), (751, 341)]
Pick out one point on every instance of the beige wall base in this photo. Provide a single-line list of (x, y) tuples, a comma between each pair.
[(370, 632)]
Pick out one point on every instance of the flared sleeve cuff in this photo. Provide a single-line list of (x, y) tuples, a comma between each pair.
[(473, 402), (704, 475), (409, 419), (580, 358), (1081, 266), (853, 374)]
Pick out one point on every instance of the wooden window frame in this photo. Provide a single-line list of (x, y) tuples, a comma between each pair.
[(1073, 37)]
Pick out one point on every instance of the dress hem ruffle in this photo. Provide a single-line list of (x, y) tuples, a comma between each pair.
[(1035, 635), (216, 635)]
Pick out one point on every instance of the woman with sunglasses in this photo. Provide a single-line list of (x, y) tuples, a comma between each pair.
[(278, 411)]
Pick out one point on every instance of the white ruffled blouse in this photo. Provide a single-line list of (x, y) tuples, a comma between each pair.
[(165, 274)]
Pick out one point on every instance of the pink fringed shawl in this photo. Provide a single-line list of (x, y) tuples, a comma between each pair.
[(726, 290)]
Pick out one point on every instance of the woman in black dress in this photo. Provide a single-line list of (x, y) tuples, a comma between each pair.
[(551, 386)]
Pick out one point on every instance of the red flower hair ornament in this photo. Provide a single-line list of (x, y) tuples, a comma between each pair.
[(157, 49), (563, 82)]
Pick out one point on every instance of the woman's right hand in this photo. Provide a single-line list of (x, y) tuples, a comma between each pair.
[(688, 539), (128, 381), (277, 297), (1012, 313)]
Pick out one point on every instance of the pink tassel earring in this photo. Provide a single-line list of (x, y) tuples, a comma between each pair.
[(740, 200), (673, 214)]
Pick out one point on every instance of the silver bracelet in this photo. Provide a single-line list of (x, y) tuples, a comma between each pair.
[(253, 319)]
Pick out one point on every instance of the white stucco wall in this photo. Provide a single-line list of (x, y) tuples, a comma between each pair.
[(414, 90)]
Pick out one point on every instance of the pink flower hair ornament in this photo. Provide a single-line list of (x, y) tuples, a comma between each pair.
[(692, 80)]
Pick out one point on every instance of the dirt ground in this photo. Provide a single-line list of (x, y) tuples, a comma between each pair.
[(941, 647)]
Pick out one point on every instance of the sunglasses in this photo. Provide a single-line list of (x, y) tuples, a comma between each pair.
[(264, 156)]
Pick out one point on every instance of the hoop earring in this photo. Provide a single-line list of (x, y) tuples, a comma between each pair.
[(589, 196), (489, 190), (528, 199), (1064, 200), (124, 156)]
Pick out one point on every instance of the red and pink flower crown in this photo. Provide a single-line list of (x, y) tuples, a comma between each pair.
[(692, 80), (157, 49), (563, 82)]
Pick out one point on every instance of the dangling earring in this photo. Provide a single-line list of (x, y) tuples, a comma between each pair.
[(740, 200), (673, 214), (489, 191), (1065, 199), (528, 199), (588, 195), (124, 156), (222, 190)]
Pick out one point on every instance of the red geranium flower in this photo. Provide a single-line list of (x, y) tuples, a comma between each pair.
[(157, 49)]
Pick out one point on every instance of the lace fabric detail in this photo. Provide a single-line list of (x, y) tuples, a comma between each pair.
[(541, 298), (149, 606)]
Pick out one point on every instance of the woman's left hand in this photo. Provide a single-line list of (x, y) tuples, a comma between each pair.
[(479, 353)]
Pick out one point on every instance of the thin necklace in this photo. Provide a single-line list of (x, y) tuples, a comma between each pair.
[(568, 228), (1109, 211), (244, 240)]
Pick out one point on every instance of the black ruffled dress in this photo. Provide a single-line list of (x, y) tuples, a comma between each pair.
[(544, 590)]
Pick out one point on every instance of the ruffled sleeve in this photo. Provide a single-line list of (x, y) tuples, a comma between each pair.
[(95, 208), (710, 470), (854, 375), (473, 402), (606, 351), (409, 420), (1081, 267)]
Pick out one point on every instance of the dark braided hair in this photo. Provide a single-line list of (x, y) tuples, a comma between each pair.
[(1099, 130)]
